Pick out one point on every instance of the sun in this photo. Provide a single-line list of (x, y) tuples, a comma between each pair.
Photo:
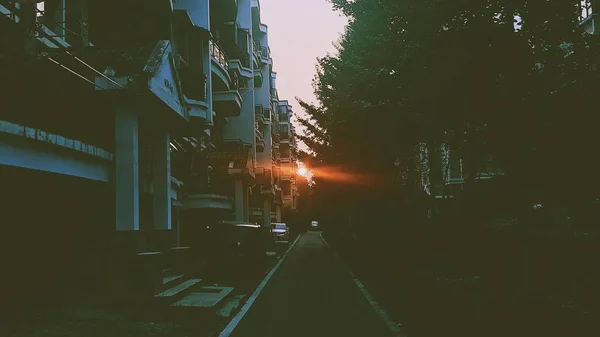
[(302, 171)]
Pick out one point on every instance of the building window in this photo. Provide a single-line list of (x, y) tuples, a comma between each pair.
[(586, 8)]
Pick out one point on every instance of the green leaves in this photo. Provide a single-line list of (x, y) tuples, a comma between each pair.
[(509, 78)]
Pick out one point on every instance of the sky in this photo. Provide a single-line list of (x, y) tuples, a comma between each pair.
[(300, 31)]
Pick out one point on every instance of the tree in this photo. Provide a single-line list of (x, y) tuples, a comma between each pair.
[(488, 77)]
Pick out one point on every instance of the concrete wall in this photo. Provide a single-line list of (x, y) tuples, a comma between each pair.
[(199, 11)]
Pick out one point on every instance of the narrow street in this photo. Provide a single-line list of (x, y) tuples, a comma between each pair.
[(311, 294)]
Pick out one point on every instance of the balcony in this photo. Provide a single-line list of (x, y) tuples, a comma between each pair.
[(205, 185), (220, 61), (264, 176), (259, 114), (239, 55), (256, 56), (228, 103), (218, 54), (283, 117), (260, 138), (193, 81), (204, 192), (265, 55), (237, 66), (284, 136), (258, 77), (194, 87)]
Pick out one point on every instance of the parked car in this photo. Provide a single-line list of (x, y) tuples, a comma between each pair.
[(229, 244), (280, 231), (314, 226)]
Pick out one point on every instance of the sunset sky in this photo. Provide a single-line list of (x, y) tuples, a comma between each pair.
[(299, 33)]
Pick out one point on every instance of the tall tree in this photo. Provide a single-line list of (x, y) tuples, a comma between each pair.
[(508, 78)]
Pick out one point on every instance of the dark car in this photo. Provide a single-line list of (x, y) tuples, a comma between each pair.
[(228, 244)]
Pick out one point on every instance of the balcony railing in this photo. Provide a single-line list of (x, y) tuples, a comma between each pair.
[(259, 114), (256, 50), (264, 176), (217, 52), (235, 81), (264, 52), (259, 134)]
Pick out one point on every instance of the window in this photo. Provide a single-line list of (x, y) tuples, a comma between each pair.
[(586, 8)]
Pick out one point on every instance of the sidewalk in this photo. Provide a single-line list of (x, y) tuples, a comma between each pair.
[(90, 319), (433, 293)]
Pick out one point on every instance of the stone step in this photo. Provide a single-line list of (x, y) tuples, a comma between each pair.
[(179, 288), (205, 297), (171, 280)]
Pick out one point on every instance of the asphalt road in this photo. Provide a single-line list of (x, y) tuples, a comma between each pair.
[(311, 294)]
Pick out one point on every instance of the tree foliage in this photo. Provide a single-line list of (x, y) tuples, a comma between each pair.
[(508, 78)]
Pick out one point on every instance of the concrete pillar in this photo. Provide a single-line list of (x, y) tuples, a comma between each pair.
[(126, 170), (246, 202), (60, 18), (27, 16), (207, 69), (178, 225), (278, 213), (85, 13), (161, 163), (267, 212), (239, 199)]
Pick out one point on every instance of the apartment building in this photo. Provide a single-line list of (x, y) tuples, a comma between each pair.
[(287, 158), (138, 121)]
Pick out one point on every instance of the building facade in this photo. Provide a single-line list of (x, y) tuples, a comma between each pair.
[(163, 115), (287, 159)]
